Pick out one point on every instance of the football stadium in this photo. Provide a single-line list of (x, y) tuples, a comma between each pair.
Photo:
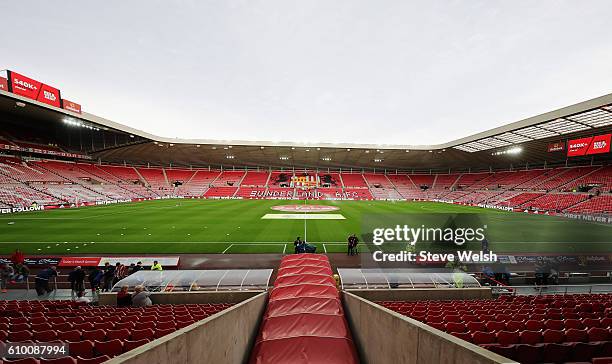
[(118, 245)]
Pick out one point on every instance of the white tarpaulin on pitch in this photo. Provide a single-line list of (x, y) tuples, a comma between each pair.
[(303, 216)]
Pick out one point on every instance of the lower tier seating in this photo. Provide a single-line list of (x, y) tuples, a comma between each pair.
[(94, 334), (528, 329)]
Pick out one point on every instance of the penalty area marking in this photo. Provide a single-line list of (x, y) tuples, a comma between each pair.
[(253, 244), (303, 217)]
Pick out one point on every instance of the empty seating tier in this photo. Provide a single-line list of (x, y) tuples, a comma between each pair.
[(528, 329), (95, 332)]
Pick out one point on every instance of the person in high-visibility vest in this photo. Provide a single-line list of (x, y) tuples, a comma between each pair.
[(156, 266)]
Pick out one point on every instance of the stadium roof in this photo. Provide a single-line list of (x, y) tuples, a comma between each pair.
[(495, 148)]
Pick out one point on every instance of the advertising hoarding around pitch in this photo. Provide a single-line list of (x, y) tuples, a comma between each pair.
[(588, 146), (35, 90), (3, 84)]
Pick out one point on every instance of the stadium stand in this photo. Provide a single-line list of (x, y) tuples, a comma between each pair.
[(528, 329), (95, 334), (595, 205), (255, 179), (198, 184), (304, 321), (52, 182), (353, 180), (228, 178)]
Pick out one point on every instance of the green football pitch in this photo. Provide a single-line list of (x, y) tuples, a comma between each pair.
[(236, 226)]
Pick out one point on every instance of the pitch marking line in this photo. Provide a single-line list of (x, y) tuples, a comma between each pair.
[(226, 249)]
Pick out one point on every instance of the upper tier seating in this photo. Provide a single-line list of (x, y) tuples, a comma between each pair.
[(377, 180), (179, 175), (352, 180), (331, 180), (229, 178), (255, 179), (27, 172), (125, 177), (422, 180), (444, 181), (198, 184), (528, 329), (280, 178), (472, 180), (95, 332), (566, 176), (156, 180), (602, 178)]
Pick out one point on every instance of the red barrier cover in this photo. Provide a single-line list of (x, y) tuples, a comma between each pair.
[(292, 279), (313, 324), (290, 306), (301, 263), (304, 290), (304, 269), (305, 350)]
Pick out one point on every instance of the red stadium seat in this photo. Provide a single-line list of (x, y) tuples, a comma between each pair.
[(47, 335), (146, 325), (480, 337), (494, 326), (110, 348), (106, 325), (534, 325), (530, 337), (528, 354), (122, 334), (142, 334), (132, 344), (455, 327), (163, 332), (165, 325), (507, 337), (71, 335), (20, 327), (83, 326), (515, 325), (576, 335), (554, 324), (555, 353), (476, 326), (463, 336), (125, 325), (94, 334), (17, 336), (598, 334), (553, 336), (82, 349), (573, 324)]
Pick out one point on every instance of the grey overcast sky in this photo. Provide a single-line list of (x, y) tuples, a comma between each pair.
[(404, 72)]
